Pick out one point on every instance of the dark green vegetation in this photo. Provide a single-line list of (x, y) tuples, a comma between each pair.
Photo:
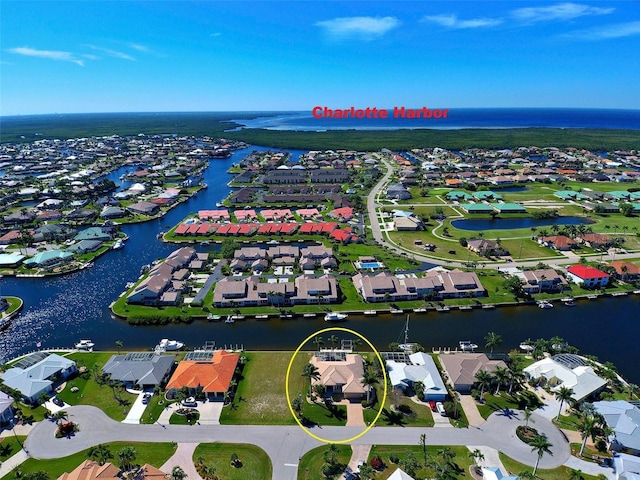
[(321, 462), (35, 127)]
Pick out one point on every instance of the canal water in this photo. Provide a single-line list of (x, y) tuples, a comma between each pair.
[(61, 310)]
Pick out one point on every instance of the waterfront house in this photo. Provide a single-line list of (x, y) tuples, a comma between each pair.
[(144, 208), (461, 368), (38, 373), (53, 232), (209, 373), (566, 370), (417, 367), (85, 246), (623, 418), (139, 369), (486, 248), (10, 260), (341, 373), (595, 240), (48, 259), (558, 242), (589, 276), (109, 212), (625, 271), (93, 233), (542, 280), (6, 408)]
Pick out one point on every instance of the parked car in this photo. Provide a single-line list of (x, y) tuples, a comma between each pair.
[(57, 401), (432, 406), (360, 464), (441, 410), (190, 402), (146, 398)]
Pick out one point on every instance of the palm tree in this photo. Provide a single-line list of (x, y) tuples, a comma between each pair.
[(318, 341), (540, 445), (588, 427), (477, 456), (366, 472), (311, 372), (564, 395), (369, 379), (333, 340), (126, 456), (633, 389), (501, 375), (423, 444), (357, 342), (527, 413), (515, 377), (99, 453), (484, 379), (527, 475), (575, 475), (493, 340), (119, 345)]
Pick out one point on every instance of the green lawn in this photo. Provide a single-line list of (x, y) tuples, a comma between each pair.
[(560, 473), (260, 398), (420, 415), (311, 463), (461, 460), (154, 409), (90, 393), (517, 401), (255, 462), (10, 445), (176, 419), (153, 453)]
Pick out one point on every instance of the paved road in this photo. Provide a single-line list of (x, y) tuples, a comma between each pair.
[(285, 445)]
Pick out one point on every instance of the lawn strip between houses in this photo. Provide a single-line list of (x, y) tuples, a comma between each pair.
[(253, 464), (560, 473), (310, 466)]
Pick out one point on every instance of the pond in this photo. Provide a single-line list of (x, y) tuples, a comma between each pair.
[(478, 224), (511, 189)]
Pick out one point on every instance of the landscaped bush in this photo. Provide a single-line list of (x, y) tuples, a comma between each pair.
[(405, 409), (527, 434), (376, 463)]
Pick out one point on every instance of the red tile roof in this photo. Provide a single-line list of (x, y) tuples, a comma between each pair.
[(586, 273), (213, 376)]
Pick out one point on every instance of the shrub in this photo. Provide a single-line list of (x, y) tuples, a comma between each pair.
[(406, 409), (394, 459), (376, 463)]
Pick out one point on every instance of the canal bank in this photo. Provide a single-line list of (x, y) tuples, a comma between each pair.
[(59, 311)]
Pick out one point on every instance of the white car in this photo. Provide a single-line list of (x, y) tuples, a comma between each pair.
[(440, 409), (360, 464), (190, 402)]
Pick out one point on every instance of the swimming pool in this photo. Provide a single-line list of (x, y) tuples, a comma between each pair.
[(371, 265)]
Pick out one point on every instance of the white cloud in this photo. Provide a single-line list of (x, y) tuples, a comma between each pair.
[(618, 30), (560, 11), (365, 28), (138, 47), (50, 54), (452, 21), (111, 53)]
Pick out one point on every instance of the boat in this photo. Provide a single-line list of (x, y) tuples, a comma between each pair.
[(167, 345), (229, 319), (273, 242), (85, 344), (467, 346), (335, 317), (406, 346), (118, 244), (569, 302), (370, 312), (545, 304), (309, 315), (526, 347), (219, 204), (213, 318)]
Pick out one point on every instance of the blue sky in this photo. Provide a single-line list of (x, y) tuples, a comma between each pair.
[(100, 56)]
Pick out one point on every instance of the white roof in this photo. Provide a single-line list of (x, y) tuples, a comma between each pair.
[(627, 467), (423, 369), (494, 473), (400, 475), (624, 418), (582, 380)]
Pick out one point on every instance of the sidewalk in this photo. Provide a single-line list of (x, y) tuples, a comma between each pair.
[(12, 462)]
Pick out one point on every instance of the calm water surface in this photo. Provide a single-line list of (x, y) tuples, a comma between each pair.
[(61, 310), (478, 224)]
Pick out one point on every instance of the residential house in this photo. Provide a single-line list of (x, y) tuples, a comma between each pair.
[(626, 271), (109, 212), (558, 242), (461, 368), (93, 233), (10, 260), (400, 474), (626, 467), (144, 208), (140, 369), (341, 373), (92, 470), (591, 277), (211, 376), (623, 418), (595, 240), (6, 409), (398, 191), (542, 280), (417, 367), (494, 473), (566, 370), (38, 374), (48, 259), (486, 248), (53, 232)]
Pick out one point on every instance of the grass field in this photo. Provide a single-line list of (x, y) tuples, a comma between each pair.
[(461, 461), (260, 399), (255, 462), (10, 444), (311, 463), (560, 473), (493, 403), (153, 453), (90, 393)]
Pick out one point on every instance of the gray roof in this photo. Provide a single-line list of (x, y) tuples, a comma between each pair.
[(34, 380), (148, 369), (624, 418), (5, 402)]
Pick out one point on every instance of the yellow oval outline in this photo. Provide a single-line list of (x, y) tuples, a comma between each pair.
[(384, 375)]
